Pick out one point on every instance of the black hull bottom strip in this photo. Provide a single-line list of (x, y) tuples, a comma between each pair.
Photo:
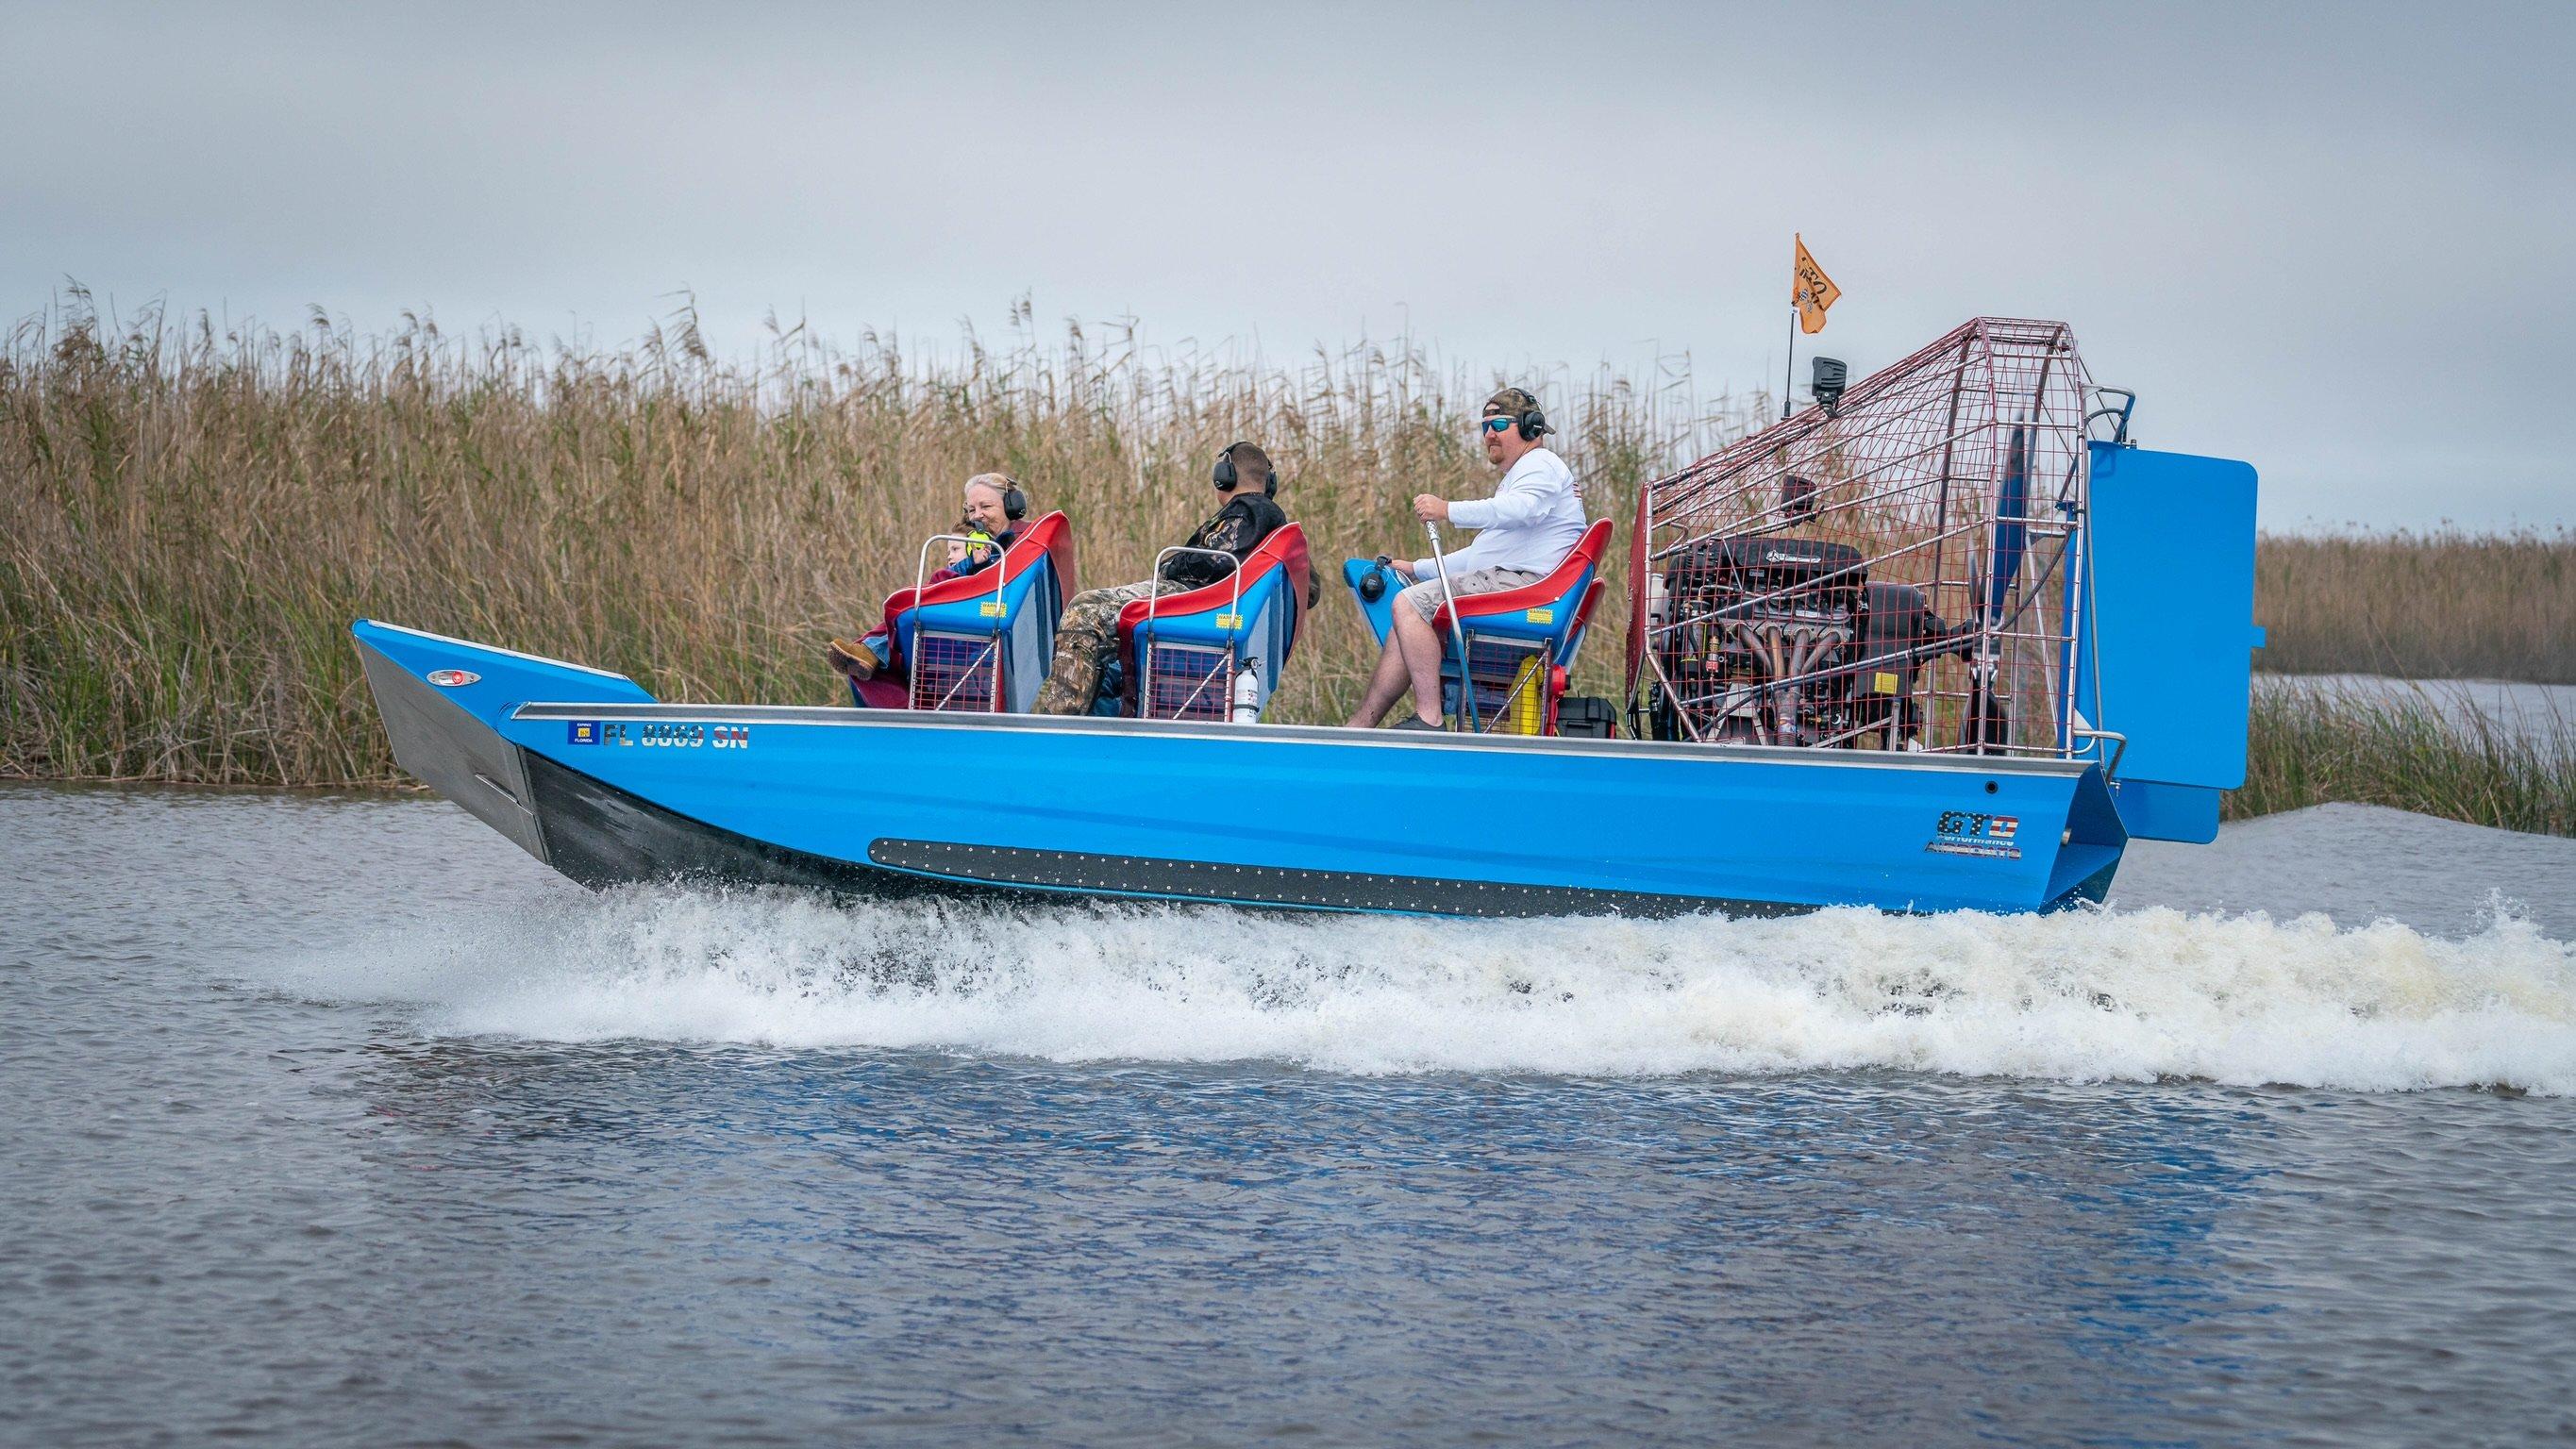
[(1265, 885), (600, 835)]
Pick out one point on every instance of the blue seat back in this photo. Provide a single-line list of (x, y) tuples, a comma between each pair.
[(984, 641), (1180, 652)]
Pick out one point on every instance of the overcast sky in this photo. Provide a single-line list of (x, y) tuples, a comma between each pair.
[(2338, 240)]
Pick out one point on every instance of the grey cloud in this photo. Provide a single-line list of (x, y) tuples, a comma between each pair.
[(2333, 239)]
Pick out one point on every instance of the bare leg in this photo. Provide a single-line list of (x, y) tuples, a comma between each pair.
[(1386, 682), (1413, 634)]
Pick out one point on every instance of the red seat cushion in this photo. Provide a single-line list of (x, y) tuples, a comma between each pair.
[(1284, 548), (1585, 554), (1051, 534)]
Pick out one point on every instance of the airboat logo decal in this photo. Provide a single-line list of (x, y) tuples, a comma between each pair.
[(1970, 832), (656, 735), (451, 678)]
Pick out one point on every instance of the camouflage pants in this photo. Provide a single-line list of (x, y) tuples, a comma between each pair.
[(1086, 639)]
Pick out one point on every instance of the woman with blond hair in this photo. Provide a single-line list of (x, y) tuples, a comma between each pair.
[(995, 507)]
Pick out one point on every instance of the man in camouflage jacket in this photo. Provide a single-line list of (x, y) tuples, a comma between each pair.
[(1086, 638)]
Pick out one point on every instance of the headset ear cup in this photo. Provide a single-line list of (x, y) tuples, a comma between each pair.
[(1223, 474), (1533, 423), (1015, 504)]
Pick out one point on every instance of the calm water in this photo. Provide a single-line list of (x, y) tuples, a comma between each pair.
[(339, 1121)]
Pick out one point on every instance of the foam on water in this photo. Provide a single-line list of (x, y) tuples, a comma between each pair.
[(2130, 995)]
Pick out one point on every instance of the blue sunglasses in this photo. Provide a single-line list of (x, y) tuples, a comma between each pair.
[(1496, 425)]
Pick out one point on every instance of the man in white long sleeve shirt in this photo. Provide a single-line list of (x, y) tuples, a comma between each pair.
[(1525, 530)]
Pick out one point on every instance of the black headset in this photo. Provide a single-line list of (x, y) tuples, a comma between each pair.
[(1223, 473), (1529, 424), (1015, 502)]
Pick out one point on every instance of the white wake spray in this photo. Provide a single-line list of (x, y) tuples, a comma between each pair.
[(2129, 995)]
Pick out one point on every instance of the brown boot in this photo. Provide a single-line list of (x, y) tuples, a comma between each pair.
[(854, 659)]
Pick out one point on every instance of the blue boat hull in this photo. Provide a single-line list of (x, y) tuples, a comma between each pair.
[(591, 775)]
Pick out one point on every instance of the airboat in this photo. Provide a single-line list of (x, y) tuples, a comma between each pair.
[(1947, 639)]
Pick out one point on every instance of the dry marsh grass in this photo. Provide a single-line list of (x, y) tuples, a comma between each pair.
[(2438, 605), (191, 518)]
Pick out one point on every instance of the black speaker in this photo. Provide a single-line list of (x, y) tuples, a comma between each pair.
[(1373, 583)]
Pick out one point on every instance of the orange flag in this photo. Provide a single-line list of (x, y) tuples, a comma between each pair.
[(1810, 290)]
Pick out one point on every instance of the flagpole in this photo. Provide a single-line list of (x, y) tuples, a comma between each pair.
[(1789, 374)]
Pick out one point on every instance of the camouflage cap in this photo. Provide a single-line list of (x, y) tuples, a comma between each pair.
[(1511, 402)]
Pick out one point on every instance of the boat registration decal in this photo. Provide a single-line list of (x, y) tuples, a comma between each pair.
[(1972, 832), (1541, 616), (655, 734)]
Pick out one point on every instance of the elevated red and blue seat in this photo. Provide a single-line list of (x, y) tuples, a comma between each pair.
[(1520, 642), (982, 641), (1183, 653)]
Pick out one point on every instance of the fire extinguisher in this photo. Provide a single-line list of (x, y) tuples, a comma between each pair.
[(1247, 692)]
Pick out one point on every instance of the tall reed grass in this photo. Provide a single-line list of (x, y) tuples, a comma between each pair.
[(2310, 743), (191, 516), (2437, 605)]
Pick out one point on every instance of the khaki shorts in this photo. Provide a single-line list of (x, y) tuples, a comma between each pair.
[(1425, 596)]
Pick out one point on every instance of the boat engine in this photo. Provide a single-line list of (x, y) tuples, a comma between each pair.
[(1799, 585), (1899, 635), (1775, 622)]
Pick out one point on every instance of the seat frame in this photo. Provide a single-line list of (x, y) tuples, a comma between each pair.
[(1051, 537), (1576, 576), (1139, 643)]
